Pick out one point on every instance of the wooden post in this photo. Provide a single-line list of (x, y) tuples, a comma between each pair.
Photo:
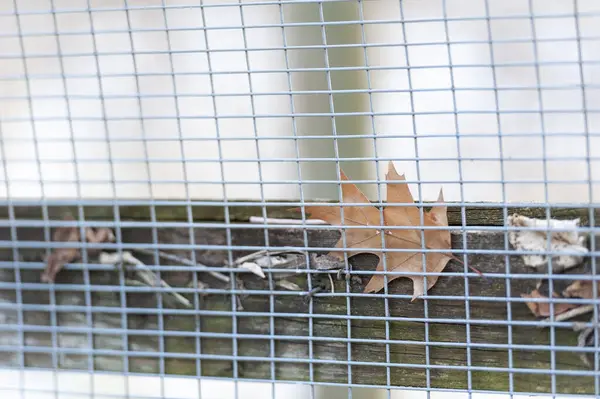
[(95, 323)]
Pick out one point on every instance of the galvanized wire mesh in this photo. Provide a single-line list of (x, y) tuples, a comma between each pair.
[(171, 123)]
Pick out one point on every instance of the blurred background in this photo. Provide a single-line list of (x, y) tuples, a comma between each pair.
[(493, 100)]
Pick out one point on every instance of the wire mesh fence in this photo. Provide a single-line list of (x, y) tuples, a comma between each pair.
[(359, 198)]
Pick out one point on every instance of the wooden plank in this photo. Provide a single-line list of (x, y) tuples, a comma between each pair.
[(240, 211), (106, 326)]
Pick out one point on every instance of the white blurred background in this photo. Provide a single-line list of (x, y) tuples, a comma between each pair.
[(125, 101), (145, 118)]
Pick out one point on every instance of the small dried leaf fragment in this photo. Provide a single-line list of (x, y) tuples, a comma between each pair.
[(581, 289), (542, 309), (59, 257), (253, 268), (288, 285), (360, 240)]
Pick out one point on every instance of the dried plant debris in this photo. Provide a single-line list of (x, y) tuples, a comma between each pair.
[(288, 285), (537, 240), (183, 261), (578, 289), (146, 276), (288, 264), (581, 289), (585, 339), (361, 240), (253, 268), (294, 261), (59, 257), (542, 309), (557, 235)]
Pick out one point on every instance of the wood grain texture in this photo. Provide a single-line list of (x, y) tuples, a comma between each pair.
[(240, 211), (109, 326)]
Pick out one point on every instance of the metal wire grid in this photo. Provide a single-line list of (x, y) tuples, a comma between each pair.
[(13, 223), (256, 116)]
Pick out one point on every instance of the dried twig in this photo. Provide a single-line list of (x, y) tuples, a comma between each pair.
[(183, 261), (147, 276), (288, 259), (266, 257), (288, 285), (583, 340), (570, 314), (261, 220), (331, 283), (292, 260), (238, 297)]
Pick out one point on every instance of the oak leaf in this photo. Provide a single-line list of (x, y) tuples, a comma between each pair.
[(365, 239)]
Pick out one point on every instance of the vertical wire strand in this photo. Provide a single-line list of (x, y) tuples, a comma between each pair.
[(546, 193), (42, 186), (336, 152), (153, 218), (420, 206), (507, 270), (463, 214), (388, 357), (16, 265), (188, 206), (80, 210), (227, 217), (591, 210), (115, 206), (263, 201), (304, 226)]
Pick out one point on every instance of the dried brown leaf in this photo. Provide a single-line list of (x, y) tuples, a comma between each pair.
[(411, 239), (580, 289), (59, 257), (542, 309), (355, 215), (368, 215)]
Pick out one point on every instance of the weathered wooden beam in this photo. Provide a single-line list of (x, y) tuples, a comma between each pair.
[(102, 324), (240, 211)]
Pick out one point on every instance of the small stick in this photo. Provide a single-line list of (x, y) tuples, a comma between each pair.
[(288, 285), (142, 271), (261, 253), (184, 261), (569, 314), (250, 257), (258, 219), (331, 282)]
